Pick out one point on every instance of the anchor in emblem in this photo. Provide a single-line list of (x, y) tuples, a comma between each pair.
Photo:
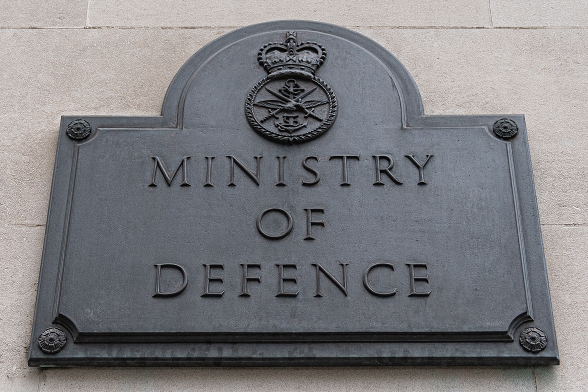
[(290, 100)]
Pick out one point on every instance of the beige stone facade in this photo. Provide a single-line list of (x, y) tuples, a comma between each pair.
[(108, 57)]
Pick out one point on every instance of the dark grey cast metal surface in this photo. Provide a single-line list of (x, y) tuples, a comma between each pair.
[(293, 206)]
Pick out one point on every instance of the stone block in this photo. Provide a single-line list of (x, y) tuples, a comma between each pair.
[(41, 13), (222, 13), (565, 251), (25, 181), (91, 71), (290, 379), (20, 247), (539, 13)]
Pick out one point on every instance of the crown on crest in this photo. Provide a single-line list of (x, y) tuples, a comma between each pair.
[(292, 57)]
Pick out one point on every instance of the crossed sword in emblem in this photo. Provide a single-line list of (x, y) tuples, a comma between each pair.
[(290, 105)]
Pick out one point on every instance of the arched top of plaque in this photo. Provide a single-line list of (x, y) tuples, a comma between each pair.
[(266, 79)]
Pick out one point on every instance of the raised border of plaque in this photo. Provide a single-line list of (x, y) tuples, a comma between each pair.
[(291, 105)]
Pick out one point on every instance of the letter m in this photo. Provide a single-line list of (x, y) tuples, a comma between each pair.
[(169, 176)]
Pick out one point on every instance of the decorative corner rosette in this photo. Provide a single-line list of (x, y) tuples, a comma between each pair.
[(505, 128), (533, 339), (79, 129), (291, 105), (52, 340)]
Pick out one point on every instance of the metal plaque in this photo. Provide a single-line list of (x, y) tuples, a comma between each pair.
[(293, 206)]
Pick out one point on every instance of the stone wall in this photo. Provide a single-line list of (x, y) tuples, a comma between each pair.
[(108, 57)]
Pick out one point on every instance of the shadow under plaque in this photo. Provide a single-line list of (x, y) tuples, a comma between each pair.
[(293, 206)]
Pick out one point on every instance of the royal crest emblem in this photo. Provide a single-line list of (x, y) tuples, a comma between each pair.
[(291, 105)]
